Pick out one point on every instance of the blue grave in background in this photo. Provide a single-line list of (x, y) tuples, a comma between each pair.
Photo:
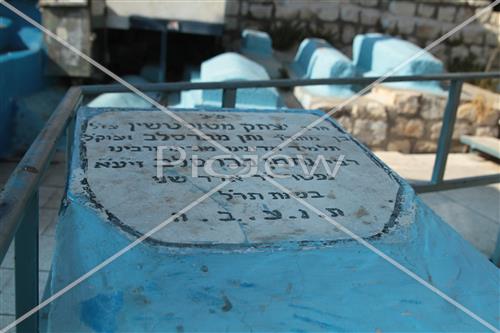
[(256, 42), (250, 257), (376, 54), (301, 66), (231, 67), (257, 46), (317, 59)]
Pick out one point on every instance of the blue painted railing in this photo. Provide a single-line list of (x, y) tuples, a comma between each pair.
[(19, 198)]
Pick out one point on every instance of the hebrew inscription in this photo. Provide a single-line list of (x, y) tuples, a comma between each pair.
[(121, 154)]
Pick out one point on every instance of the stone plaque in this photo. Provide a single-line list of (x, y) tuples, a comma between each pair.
[(117, 163)]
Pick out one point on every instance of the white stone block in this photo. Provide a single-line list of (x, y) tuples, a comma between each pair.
[(370, 16), (328, 11), (406, 25), (402, 8), (473, 34), (369, 131), (349, 13), (426, 10), (348, 33), (427, 29), (446, 14)]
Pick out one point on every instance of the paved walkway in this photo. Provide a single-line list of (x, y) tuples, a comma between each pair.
[(473, 212)]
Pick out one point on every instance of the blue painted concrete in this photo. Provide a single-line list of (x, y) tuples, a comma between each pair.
[(302, 64), (258, 46), (21, 65), (337, 287), (317, 59), (331, 63), (231, 67), (254, 41), (376, 54)]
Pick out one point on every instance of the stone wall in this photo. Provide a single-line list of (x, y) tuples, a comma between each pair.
[(410, 121), (421, 22)]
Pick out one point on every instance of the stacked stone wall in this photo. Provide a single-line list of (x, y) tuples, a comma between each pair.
[(410, 121), (420, 22)]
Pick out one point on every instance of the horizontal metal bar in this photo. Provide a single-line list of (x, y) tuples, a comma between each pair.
[(283, 83), (26, 177), (453, 184)]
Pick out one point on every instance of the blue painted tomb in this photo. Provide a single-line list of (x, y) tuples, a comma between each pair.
[(232, 67), (250, 257), (376, 54)]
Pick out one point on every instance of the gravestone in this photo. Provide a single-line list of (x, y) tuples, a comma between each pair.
[(232, 66), (376, 54), (255, 41), (249, 257), (128, 152)]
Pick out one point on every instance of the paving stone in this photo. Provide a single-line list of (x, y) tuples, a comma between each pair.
[(7, 291), (47, 246), (47, 220), (6, 320), (472, 225)]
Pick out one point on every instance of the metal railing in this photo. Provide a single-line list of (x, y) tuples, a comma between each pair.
[(19, 198)]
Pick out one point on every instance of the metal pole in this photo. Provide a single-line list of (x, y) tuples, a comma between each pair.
[(228, 98), (453, 184), (445, 137), (26, 267), (25, 178)]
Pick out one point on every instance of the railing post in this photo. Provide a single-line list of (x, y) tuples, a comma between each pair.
[(229, 98), (445, 137), (26, 267)]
